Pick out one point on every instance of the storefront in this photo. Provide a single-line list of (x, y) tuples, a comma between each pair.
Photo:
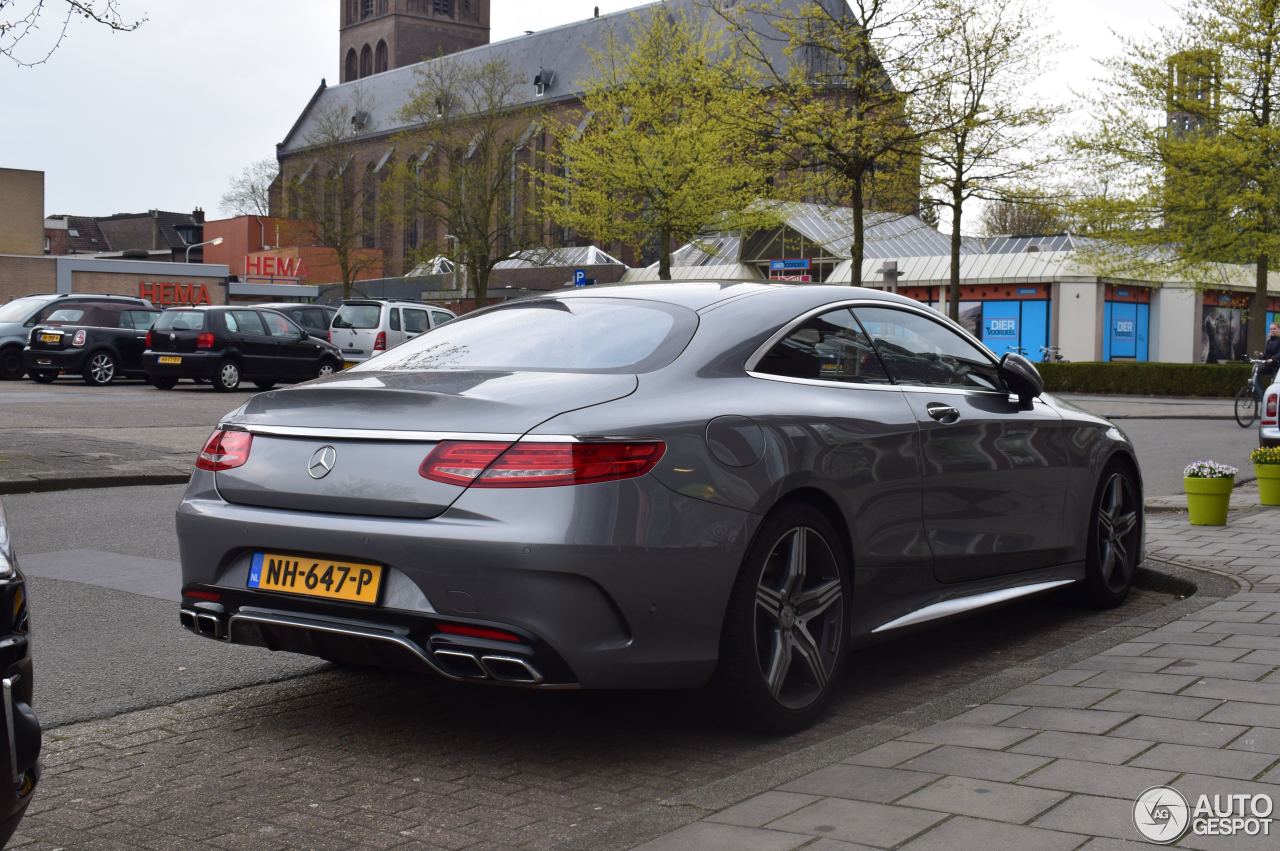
[(1126, 323)]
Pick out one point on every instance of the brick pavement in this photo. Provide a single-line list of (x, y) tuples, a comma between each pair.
[(1058, 763)]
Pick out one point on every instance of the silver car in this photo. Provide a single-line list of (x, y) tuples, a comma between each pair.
[(663, 486), (1269, 410), (365, 328)]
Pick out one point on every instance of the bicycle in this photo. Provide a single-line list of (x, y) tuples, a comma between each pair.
[(1247, 401), (1052, 354)]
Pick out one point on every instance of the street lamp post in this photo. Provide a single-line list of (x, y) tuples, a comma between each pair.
[(217, 240)]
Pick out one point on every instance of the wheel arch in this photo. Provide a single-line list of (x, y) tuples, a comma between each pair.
[(825, 503)]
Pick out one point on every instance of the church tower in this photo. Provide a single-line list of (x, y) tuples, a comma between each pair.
[(378, 35)]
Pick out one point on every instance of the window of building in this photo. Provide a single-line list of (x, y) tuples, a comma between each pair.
[(369, 208), (380, 58), (353, 65), (366, 61), (353, 11), (366, 8), (382, 7), (442, 7)]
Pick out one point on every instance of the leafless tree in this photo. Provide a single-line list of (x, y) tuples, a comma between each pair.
[(250, 191), (23, 21)]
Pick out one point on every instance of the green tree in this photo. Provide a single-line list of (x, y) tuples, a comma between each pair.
[(325, 200), (986, 130), (1187, 143), (20, 20), (468, 161), (843, 80), (662, 154)]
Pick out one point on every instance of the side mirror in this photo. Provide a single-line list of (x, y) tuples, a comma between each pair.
[(1021, 377)]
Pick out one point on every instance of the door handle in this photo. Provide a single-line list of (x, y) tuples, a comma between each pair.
[(942, 413)]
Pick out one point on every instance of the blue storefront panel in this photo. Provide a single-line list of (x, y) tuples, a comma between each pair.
[(1011, 325), (1125, 330)]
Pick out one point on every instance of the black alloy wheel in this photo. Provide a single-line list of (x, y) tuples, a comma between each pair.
[(43, 376), (100, 370), (1115, 539), (11, 368), (1246, 407), (227, 378), (785, 630), (162, 383)]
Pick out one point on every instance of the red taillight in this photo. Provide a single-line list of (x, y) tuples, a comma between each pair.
[(148, 341), (225, 450), (204, 340), (1271, 410), (197, 594), (78, 339), (477, 632), (484, 464), (329, 335), (380, 342)]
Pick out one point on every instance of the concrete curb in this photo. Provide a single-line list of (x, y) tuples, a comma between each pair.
[(19, 486), (665, 816)]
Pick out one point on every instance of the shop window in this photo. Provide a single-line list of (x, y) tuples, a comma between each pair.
[(366, 61), (380, 58), (353, 65)]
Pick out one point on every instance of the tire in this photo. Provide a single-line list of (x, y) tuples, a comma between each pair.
[(327, 367), (1246, 407), (100, 369), (264, 385), (162, 383), (227, 378), (43, 376), (785, 630), (11, 368), (1114, 539)]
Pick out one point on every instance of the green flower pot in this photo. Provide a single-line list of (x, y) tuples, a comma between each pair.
[(1208, 500), (1268, 483)]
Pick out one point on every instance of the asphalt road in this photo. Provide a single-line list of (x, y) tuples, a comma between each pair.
[(1165, 447)]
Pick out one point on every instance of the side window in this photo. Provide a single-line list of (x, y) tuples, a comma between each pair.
[(439, 317), (917, 350), (395, 319), (415, 321), (830, 347), (278, 325), (232, 325), (313, 319), (138, 320), (250, 322)]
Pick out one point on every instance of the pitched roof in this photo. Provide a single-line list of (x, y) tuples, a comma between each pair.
[(564, 50), (156, 229)]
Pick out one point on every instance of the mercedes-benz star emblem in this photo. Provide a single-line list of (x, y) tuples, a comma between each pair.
[(322, 462)]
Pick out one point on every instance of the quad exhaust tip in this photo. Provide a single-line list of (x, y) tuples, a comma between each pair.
[(506, 669), (206, 624)]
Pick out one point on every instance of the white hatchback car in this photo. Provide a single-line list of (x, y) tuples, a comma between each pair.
[(1269, 423), (366, 327)]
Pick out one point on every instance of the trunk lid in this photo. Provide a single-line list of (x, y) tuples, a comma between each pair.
[(400, 418), (51, 338)]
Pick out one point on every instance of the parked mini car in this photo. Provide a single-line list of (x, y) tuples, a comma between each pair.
[(363, 328), (313, 318), (1269, 425), (19, 316), (229, 344), (98, 341), (655, 487), (19, 727)]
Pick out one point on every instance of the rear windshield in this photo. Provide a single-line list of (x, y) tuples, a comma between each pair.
[(180, 320), (358, 316), (575, 335), (20, 308)]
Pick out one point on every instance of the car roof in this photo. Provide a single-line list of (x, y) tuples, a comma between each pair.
[(408, 301), (700, 295)]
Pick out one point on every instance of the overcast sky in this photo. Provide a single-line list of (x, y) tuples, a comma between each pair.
[(165, 116)]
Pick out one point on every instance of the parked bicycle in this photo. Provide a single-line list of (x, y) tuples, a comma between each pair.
[(1052, 354), (1247, 401)]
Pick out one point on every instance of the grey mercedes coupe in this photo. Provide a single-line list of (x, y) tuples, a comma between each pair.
[(654, 486)]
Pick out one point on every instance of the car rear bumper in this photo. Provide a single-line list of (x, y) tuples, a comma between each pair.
[(622, 585), (68, 360), (194, 364)]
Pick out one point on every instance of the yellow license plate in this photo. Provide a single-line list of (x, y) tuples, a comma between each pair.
[(354, 582), (347, 364), (169, 359), (51, 338)]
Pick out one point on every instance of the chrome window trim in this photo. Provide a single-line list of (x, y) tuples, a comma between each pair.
[(391, 434)]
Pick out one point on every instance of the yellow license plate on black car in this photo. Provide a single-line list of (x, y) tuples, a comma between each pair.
[(169, 359), (350, 581), (347, 364), (51, 338)]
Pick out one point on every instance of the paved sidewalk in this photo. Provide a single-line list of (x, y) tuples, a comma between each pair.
[(1152, 407), (1058, 763)]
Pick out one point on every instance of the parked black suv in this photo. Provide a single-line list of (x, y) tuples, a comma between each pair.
[(19, 316), (315, 319), (98, 341), (19, 727), (227, 344)]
